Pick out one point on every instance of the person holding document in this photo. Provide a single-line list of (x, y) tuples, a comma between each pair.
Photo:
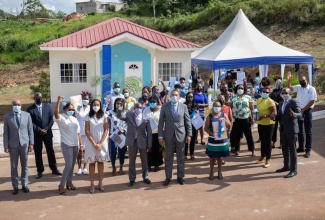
[(96, 129), (216, 125), (152, 114), (138, 138)]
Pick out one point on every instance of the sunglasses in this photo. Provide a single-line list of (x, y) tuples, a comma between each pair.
[(266, 92)]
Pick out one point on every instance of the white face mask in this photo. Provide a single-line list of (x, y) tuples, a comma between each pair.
[(96, 108), (285, 97), (120, 108), (240, 91)]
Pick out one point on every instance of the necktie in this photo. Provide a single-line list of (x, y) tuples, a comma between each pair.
[(18, 120), (40, 111), (174, 112), (284, 106)]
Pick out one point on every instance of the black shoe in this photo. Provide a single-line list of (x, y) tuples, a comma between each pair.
[(300, 150), (258, 141), (180, 181), (38, 175), (25, 189), (283, 169), (290, 174), (131, 183), (56, 172), (147, 181), (15, 191), (166, 182), (307, 155)]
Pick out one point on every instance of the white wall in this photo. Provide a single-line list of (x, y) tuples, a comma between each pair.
[(70, 89)]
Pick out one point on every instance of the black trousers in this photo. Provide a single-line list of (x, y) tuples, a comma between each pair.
[(192, 144), (288, 142), (265, 132), (38, 148), (242, 126), (275, 131)]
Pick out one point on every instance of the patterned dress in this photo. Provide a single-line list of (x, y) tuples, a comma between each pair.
[(220, 147)]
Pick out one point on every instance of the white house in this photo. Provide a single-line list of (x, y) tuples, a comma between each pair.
[(98, 6), (115, 47)]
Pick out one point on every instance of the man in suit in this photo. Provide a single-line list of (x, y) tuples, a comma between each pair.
[(18, 140), (173, 128), (42, 117), (138, 138), (289, 112)]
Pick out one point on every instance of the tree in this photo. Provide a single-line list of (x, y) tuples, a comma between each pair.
[(43, 87), (59, 15), (34, 8)]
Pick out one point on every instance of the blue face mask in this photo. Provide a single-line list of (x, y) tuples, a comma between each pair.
[(70, 113), (138, 111), (16, 108), (126, 95), (156, 92), (265, 95), (173, 99), (182, 85), (153, 105), (85, 102), (216, 109), (117, 90)]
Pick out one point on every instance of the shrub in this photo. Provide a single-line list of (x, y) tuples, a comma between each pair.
[(43, 87)]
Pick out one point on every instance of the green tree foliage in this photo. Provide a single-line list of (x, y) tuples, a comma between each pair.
[(34, 8), (59, 15), (43, 87)]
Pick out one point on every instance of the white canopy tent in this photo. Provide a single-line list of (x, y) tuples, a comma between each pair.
[(241, 45)]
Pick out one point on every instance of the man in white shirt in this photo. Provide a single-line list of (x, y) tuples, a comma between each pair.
[(111, 97), (306, 97)]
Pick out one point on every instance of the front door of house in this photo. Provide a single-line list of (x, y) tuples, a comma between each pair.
[(134, 69)]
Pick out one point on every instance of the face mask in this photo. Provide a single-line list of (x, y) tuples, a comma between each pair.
[(189, 99), (278, 85), (223, 90), (126, 95), (199, 80), (182, 85), (70, 112), (153, 105), (216, 109), (138, 111), (144, 98), (38, 101), (285, 97), (173, 99), (265, 95), (16, 108), (120, 108), (199, 89), (240, 91), (117, 90), (156, 92), (85, 102), (96, 108), (303, 84)]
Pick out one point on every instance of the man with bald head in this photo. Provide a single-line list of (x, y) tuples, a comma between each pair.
[(42, 117), (306, 97), (18, 140)]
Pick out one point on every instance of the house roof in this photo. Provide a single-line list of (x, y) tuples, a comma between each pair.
[(114, 27)]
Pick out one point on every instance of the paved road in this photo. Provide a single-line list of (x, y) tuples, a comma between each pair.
[(247, 191)]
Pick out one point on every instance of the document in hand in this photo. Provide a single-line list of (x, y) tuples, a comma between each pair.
[(197, 121), (153, 124), (118, 139)]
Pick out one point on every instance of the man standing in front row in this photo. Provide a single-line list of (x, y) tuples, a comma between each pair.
[(42, 117), (173, 128), (288, 115), (306, 97), (18, 140)]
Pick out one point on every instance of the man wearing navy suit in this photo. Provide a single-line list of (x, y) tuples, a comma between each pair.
[(18, 140), (42, 117)]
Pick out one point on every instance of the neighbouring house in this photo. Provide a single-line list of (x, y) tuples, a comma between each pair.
[(99, 6), (119, 47)]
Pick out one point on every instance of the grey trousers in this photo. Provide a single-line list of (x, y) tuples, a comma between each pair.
[(70, 155), (15, 154), (133, 150), (169, 158), (288, 142)]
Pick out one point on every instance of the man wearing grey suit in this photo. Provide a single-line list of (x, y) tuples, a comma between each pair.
[(173, 128), (138, 138), (18, 140), (288, 115)]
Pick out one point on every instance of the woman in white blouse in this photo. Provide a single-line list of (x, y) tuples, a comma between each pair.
[(70, 138), (152, 113)]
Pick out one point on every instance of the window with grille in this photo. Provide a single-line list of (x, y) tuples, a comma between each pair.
[(167, 70), (73, 72)]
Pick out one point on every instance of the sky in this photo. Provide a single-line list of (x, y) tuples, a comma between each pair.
[(66, 6)]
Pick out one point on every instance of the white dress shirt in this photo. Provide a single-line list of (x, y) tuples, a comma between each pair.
[(305, 95)]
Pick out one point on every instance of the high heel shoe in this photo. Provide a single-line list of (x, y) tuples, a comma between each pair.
[(70, 186), (92, 189), (62, 191), (101, 188)]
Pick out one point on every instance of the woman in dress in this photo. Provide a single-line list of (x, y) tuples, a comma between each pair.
[(70, 139), (266, 116), (192, 109), (152, 113), (96, 150), (217, 146), (118, 125), (144, 100), (242, 110)]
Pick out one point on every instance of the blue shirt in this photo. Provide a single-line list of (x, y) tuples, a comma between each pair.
[(201, 99)]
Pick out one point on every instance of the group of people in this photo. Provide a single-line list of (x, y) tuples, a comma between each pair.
[(157, 123)]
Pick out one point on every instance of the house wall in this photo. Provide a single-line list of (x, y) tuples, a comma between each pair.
[(99, 7), (70, 89)]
